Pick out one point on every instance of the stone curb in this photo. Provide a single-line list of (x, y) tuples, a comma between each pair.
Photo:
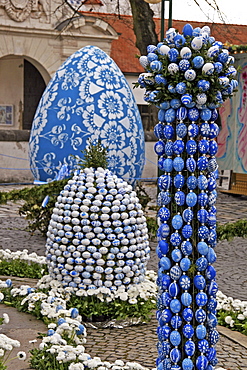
[(235, 336)]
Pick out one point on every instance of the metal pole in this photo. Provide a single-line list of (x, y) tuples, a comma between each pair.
[(170, 14), (162, 18)]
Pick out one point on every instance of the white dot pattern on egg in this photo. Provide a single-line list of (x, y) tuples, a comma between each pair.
[(98, 253), (88, 97)]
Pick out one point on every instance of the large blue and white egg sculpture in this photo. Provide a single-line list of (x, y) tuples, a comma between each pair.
[(88, 98)]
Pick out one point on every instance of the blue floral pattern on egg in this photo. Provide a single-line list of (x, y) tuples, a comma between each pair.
[(88, 97)]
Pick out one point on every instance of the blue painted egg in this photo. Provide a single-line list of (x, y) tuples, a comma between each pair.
[(193, 114), (185, 53), (212, 198), (213, 336), (159, 148), (175, 355), (188, 331), (202, 199), (175, 338), (188, 215), (175, 305), (170, 115), (161, 115), (214, 130), (166, 346), (212, 289), (201, 331), (176, 321), (211, 219), (186, 99), (184, 64), (165, 263), (190, 74), (189, 348), (159, 79), (193, 130), (201, 362), (169, 131), (205, 114), (201, 299), (74, 107), (178, 146), (164, 182), (176, 255), (179, 198), (212, 167), (203, 146), (178, 164), (185, 264), (191, 182), (212, 184), (201, 98), (187, 231), (202, 182), (166, 315), (166, 281), (186, 299), (222, 58), (201, 263), (164, 214), (187, 30), (202, 216), (152, 56), (191, 164), (165, 105), (211, 255), (203, 345), (175, 239), (198, 62), (203, 232), (199, 282), (186, 247), (191, 147), (177, 222), (175, 104), (212, 320), (203, 85), (178, 181), (173, 54), (187, 364), (159, 131), (181, 113), (210, 273), (211, 354), (164, 230), (181, 130), (169, 148), (187, 314), (202, 247), (184, 282), (191, 199), (202, 163), (175, 272), (173, 290), (212, 236), (164, 246), (181, 88), (164, 332), (205, 129), (200, 315), (168, 165), (171, 88), (156, 65)]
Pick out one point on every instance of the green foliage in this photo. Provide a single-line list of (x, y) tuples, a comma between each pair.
[(231, 229), (142, 195), (43, 360), (152, 226), (21, 268), (95, 155), (239, 325)]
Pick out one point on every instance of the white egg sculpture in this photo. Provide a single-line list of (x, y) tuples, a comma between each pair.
[(88, 97), (97, 238)]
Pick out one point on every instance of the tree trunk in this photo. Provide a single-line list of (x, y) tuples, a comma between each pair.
[(144, 26)]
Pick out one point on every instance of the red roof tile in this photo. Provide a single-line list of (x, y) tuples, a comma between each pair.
[(124, 51)]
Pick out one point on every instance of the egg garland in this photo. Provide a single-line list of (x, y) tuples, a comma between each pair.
[(97, 235), (193, 82)]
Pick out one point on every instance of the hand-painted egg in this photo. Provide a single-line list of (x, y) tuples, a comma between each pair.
[(175, 355), (211, 255), (159, 148), (190, 164), (164, 198), (201, 263), (168, 165), (173, 291), (189, 348), (186, 99), (179, 40), (213, 51), (185, 53), (168, 129), (202, 247), (175, 103), (184, 64), (164, 214), (212, 320), (165, 105), (188, 331), (205, 114), (202, 182), (187, 314), (222, 58), (156, 66), (173, 54), (202, 216), (187, 364), (178, 146), (171, 88), (181, 114), (199, 282), (165, 263), (170, 115), (193, 114), (163, 49), (175, 239), (191, 199), (152, 56), (208, 69), (159, 131), (212, 166), (211, 354), (179, 198), (166, 315), (190, 74), (143, 60), (172, 68), (170, 34), (201, 98), (213, 337), (193, 130), (186, 299), (185, 263), (196, 43), (191, 182), (175, 305), (201, 362), (176, 255), (201, 331), (169, 148), (187, 30), (202, 163), (74, 104), (181, 88), (203, 85), (200, 315), (198, 62), (179, 181), (212, 289), (191, 147), (164, 182), (184, 282), (178, 164), (177, 222), (188, 215)]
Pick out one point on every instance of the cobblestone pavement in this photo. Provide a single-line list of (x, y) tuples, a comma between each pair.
[(138, 343)]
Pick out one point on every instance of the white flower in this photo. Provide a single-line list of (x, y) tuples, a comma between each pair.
[(241, 317), (5, 318), (1, 352), (22, 355), (228, 319), (1, 297)]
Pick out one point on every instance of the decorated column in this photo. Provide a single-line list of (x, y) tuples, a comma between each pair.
[(188, 76)]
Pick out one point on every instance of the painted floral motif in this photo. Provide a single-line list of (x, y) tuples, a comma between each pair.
[(87, 98)]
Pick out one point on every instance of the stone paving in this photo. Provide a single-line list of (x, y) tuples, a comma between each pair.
[(138, 343)]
